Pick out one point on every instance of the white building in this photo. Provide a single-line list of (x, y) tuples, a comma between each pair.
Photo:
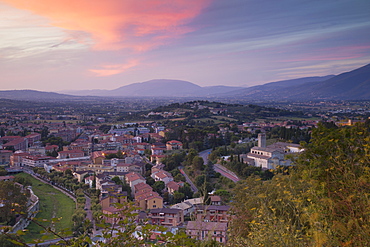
[(269, 157)]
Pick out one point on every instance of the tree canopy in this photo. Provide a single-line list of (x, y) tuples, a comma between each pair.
[(324, 201)]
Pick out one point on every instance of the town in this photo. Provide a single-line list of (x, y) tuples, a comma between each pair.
[(176, 166)]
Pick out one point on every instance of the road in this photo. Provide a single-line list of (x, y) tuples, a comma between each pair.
[(204, 154), (89, 215), (188, 180), (225, 172), (219, 168)]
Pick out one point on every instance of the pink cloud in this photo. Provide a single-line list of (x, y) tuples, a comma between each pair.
[(117, 24), (113, 69)]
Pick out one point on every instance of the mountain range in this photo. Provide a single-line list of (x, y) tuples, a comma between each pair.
[(352, 85), (158, 88)]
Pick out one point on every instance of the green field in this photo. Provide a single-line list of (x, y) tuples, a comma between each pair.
[(53, 204)]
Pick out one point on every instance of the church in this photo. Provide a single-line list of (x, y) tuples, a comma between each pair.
[(271, 156)]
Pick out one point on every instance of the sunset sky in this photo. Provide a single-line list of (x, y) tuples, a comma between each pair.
[(54, 45)]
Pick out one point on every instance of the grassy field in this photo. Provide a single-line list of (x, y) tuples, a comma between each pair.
[(53, 204)]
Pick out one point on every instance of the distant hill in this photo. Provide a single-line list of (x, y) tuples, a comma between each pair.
[(354, 84), (262, 91), (34, 95), (350, 85), (159, 88)]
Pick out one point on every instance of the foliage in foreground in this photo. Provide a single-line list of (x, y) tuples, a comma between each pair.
[(123, 229), (325, 201)]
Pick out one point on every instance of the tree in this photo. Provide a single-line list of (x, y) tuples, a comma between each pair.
[(268, 213), (158, 186), (14, 201), (322, 201), (123, 230), (190, 156), (198, 163), (81, 225), (187, 191), (3, 172), (23, 181), (53, 153), (224, 194), (179, 177), (178, 197), (68, 172), (200, 180), (94, 183), (150, 181), (336, 163), (10, 240), (117, 180)]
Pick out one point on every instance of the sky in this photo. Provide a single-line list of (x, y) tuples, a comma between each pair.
[(94, 44)]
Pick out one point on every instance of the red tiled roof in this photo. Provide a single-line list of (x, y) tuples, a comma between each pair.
[(71, 151), (173, 185), (132, 176)]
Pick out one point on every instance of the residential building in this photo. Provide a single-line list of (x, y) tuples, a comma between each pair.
[(207, 230), (109, 207), (15, 143), (81, 174), (33, 138), (166, 217), (133, 179), (186, 207), (5, 157), (162, 175), (172, 186), (212, 213), (70, 154), (148, 200), (215, 200), (173, 145), (36, 160)]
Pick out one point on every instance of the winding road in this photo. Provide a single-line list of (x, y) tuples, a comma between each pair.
[(219, 168)]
